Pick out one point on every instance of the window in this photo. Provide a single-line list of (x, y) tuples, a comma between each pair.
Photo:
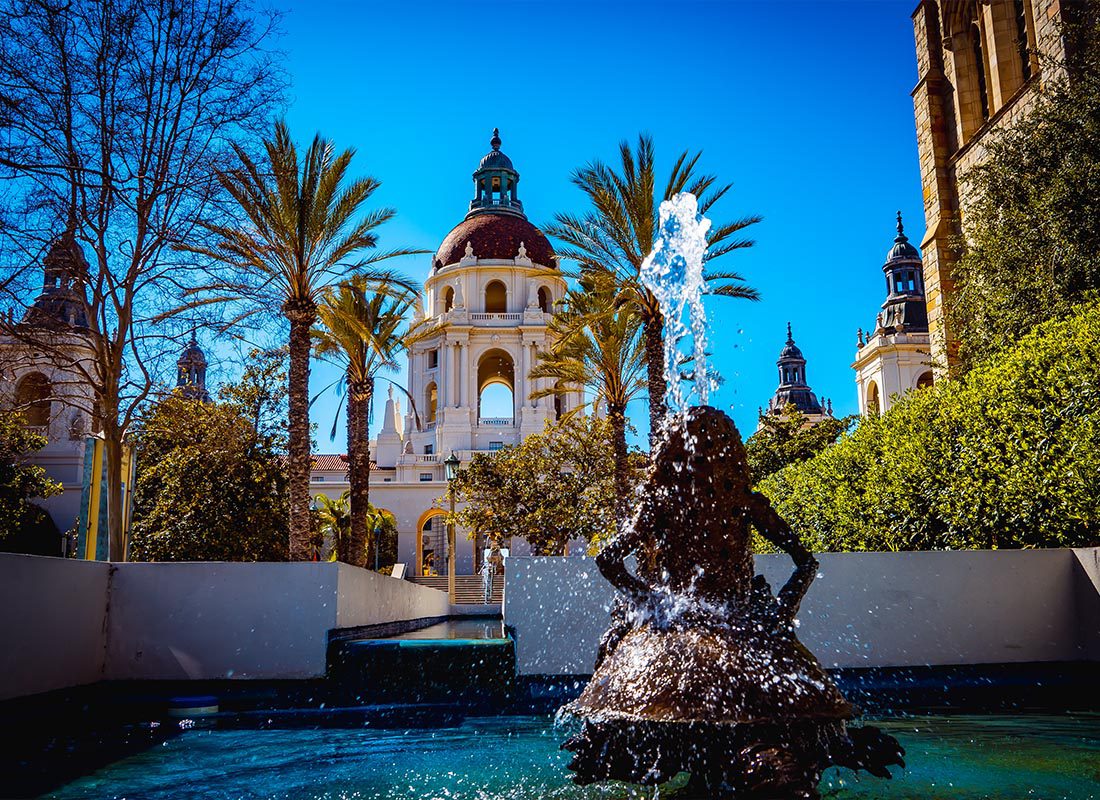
[(496, 446), (448, 299), (431, 395), (544, 299), (318, 479), (1021, 38), (433, 359), (429, 449), (32, 397), (496, 298), (425, 477), (979, 68)]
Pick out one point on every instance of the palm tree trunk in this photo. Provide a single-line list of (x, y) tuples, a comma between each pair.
[(617, 417), (302, 315), (653, 330), (359, 397)]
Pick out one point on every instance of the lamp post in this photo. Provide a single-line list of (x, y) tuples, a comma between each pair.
[(451, 464)]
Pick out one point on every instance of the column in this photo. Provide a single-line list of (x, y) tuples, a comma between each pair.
[(444, 381), (464, 377)]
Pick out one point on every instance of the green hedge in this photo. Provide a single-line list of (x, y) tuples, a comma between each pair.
[(1007, 457)]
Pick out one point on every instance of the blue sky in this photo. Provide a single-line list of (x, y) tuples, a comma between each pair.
[(804, 107)]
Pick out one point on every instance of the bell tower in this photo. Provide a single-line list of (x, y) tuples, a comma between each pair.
[(895, 356)]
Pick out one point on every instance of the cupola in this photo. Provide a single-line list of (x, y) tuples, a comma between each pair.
[(191, 372), (495, 182)]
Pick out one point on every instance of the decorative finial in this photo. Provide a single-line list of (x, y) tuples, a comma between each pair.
[(859, 336), (901, 230), (391, 392), (469, 249), (194, 340), (522, 251), (495, 141), (790, 339)]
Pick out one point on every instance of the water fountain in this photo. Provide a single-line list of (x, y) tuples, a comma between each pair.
[(701, 670)]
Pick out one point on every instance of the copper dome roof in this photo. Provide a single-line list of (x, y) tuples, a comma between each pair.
[(495, 236)]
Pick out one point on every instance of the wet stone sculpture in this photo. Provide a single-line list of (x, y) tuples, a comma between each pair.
[(701, 670)]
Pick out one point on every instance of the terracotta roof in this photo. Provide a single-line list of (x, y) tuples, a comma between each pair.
[(495, 236), (330, 462)]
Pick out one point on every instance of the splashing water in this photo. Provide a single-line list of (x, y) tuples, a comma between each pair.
[(674, 273)]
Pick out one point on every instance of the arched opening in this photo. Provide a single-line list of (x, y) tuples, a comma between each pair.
[(448, 299), (496, 298), (431, 545), (544, 299), (874, 402), (496, 383), (32, 397), (558, 406), (925, 380), (431, 402)]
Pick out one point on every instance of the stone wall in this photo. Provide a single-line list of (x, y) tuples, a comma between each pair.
[(69, 622), (864, 609)]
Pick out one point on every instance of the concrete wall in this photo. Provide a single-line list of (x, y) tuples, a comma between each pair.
[(68, 622), (52, 620), (367, 598), (864, 609)]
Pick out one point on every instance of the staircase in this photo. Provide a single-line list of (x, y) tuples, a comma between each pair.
[(468, 588)]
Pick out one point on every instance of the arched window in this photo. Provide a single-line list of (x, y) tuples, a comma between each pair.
[(925, 380), (32, 397), (448, 299), (874, 403), (431, 401), (1021, 12), (544, 299), (979, 68), (496, 298)]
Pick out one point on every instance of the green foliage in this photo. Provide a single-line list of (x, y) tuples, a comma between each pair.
[(1006, 457), (21, 482), (551, 488), (261, 394), (788, 439), (1031, 248), (210, 485)]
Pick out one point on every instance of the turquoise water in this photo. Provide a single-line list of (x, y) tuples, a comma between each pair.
[(954, 758)]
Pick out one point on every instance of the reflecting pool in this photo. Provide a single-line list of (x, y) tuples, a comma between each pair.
[(950, 757)]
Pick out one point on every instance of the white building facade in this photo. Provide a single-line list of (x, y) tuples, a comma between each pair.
[(895, 357), (491, 291), (40, 376)]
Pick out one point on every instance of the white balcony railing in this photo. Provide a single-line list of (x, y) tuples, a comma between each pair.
[(430, 458), (496, 422), (496, 319)]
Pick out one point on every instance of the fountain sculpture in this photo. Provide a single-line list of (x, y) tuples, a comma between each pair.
[(701, 670)]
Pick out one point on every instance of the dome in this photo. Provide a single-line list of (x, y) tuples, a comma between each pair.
[(495, 236), (790, 351), (902, 249), (192, 354), (495, 159)]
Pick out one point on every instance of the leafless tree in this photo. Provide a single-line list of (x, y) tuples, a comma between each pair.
[(115, 117)]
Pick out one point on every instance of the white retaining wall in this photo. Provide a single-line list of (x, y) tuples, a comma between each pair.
[(69, 622), (864, 609)]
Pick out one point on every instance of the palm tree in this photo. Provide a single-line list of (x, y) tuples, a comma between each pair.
[(301, 232), (618, 232), (598, 347), (334, 519), (364, 333)]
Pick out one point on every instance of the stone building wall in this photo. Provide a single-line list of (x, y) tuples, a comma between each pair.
[(953, 122)]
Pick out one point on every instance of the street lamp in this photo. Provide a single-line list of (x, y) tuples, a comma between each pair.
[(451, 464)]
